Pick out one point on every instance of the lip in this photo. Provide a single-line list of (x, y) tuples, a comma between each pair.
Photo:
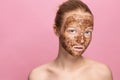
[(78, 48)]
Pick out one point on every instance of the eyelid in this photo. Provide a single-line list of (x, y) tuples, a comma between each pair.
[(87, 34), (71, 29)]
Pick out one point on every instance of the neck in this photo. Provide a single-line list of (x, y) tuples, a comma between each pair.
[(66, 61)]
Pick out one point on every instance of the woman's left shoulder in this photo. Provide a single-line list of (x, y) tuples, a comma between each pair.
[(100, 69)]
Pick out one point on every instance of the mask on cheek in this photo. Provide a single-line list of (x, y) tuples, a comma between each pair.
[(71, 44), (66, 43)]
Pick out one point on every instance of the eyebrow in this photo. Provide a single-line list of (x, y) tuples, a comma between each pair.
[(89, 28)]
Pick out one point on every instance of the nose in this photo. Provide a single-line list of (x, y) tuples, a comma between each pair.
[(81, 38)]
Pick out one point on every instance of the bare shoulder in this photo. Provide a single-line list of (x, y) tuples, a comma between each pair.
[(100, 70), (39, 73)]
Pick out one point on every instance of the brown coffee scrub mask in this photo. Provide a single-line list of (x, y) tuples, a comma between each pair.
[(76, 33)]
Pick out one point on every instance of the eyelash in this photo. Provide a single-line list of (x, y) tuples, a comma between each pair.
[(72, 31), (88, 33)]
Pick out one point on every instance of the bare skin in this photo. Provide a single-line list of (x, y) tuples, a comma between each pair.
[(58, 71), (74, 38)]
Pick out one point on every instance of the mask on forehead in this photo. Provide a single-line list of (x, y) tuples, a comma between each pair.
[(79, 20), (76, 34)]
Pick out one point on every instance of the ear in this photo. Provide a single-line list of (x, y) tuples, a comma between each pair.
[(56, 30)]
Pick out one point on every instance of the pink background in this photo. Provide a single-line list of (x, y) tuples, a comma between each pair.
[(27, 38)]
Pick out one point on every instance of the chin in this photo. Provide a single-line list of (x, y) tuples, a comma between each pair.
[(77, 54)]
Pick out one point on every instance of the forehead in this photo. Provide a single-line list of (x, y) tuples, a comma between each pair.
[(78, 16), (77, 13)]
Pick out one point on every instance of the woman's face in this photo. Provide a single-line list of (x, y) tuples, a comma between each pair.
[(76, 32)]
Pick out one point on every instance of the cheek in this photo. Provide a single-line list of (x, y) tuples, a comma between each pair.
[(74, 40), (87, 41), (69, 41)]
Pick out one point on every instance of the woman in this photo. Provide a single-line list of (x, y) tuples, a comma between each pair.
[(73, 26)]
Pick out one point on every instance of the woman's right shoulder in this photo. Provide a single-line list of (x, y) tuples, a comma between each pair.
[(38, 73)]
